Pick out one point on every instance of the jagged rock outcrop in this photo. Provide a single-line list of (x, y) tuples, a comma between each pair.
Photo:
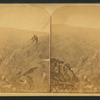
[(62, 77)]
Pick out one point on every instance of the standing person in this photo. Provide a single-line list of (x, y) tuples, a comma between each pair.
[(35, 38)]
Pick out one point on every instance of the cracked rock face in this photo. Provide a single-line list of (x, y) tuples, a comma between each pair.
[(62, 77)]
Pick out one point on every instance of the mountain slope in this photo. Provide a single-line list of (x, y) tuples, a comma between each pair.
[(24, 69), (70, 43), (11, 39), (79, 47)]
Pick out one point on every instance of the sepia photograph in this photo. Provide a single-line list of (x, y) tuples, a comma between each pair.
[(24, 49), (75, 49), (49, 49)]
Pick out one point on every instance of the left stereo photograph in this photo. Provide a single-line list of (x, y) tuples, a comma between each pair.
[(24, 49)]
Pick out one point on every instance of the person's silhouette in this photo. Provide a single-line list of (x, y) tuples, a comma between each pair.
[(35, 38)]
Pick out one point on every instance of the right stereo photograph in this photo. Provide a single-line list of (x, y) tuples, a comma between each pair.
[(75, 50)]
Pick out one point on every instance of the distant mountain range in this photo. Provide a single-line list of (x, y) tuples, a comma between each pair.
[(11, 38)]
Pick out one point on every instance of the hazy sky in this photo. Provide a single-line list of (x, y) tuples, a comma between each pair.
[(24, 17), (81, 16), (36, 17)]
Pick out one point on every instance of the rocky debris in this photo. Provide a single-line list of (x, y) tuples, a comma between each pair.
[(89, 73), (24, 69), (62, 77), (91, 65)]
